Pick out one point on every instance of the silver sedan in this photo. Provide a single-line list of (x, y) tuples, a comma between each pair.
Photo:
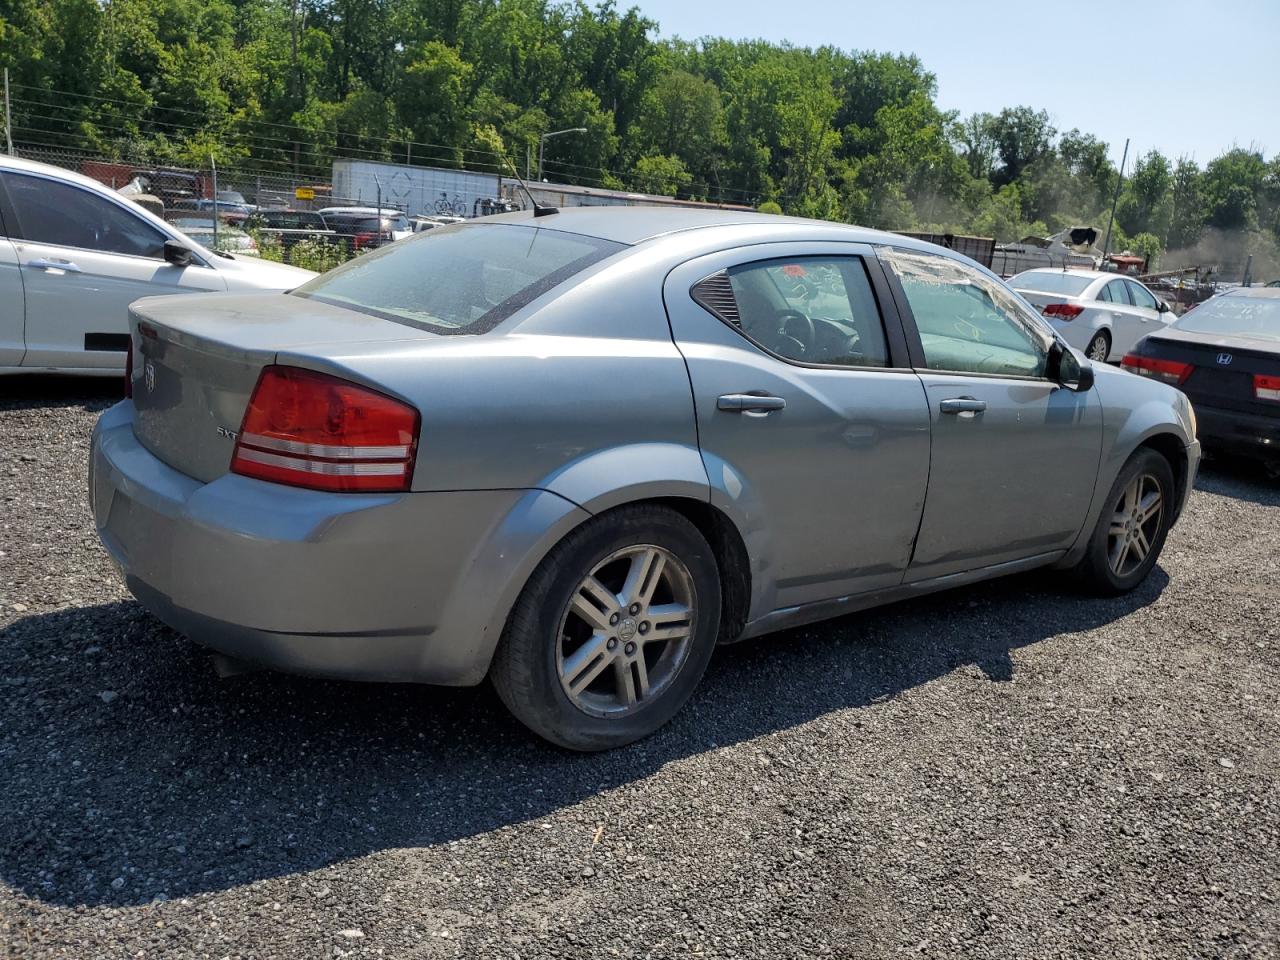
[(1102, 314), (574, 451)]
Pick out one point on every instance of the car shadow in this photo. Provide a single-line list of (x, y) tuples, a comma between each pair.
[(1239, 478), (133, 774), (29, 391)]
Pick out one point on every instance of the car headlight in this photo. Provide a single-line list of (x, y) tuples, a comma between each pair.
[(1191, 418)]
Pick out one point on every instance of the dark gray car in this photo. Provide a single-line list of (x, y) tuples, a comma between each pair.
[(574, 452)]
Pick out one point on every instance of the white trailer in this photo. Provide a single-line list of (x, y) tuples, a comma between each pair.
[(415, 190)]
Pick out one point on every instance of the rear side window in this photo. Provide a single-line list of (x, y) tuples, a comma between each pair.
[(461, 279), (808, 309), (1051, 281), (1114, 292), (65, 215)]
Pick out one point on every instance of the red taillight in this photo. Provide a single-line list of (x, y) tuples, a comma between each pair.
[(309, 429), (363, 239), (1063, 311), (1266, 388), (128, 371), (1170, 371)]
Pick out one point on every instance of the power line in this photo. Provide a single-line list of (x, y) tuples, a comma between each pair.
[(393, 143), (320, 155)]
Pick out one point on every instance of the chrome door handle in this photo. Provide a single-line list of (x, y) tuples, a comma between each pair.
[(66, 266), (963, 405), (749, 403)]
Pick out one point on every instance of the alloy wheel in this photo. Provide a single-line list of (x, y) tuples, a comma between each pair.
[(1135, 523), (1098, 350), (626, 631)]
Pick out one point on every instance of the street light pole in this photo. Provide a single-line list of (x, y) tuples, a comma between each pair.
[(542, 140)]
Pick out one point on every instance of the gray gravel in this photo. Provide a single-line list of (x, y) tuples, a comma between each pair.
[(1006, 771)]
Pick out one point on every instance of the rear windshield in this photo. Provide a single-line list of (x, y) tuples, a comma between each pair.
[(1235, 316), (465, 278), (1051, 281)]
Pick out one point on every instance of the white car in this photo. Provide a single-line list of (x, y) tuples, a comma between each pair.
[(74, 254), (1103, 314)]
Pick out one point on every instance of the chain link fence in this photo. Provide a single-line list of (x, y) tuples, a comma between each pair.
[(288, 216)]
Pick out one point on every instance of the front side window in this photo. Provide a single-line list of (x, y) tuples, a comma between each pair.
[(1141, 295), (462, 279), (811, 309), (64, 215), (968, 322)]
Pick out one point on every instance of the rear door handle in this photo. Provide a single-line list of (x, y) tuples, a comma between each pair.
[(963, 405), (66, 266), (749, 403)]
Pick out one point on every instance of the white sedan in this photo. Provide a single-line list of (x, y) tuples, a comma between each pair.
[(1100, 313), (73, 256)]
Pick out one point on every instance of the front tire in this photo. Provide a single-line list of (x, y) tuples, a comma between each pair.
[(1132, 528), (613, 630)]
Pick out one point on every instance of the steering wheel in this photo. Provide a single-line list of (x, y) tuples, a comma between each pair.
[(805, 335)]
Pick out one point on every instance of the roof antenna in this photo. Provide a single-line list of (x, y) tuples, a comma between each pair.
[(538, 210)]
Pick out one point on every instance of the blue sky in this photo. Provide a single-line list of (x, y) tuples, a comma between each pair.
[(1182, 77)]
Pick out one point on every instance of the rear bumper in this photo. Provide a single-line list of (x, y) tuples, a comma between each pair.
[(1234, 432), (411, 587)]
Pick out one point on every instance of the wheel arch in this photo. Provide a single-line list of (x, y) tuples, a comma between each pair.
[(1170, 446)]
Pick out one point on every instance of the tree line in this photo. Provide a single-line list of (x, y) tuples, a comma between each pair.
[(855, 136)]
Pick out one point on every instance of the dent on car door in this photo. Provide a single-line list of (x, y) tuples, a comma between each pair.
[(84, 258), (813, 432), (1014, 456)]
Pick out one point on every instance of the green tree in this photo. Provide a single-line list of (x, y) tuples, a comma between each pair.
[(1022, 136), (662, 175)]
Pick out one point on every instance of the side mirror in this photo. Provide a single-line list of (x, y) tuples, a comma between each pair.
[(1069, 370), (1162, 307), (177, 254)]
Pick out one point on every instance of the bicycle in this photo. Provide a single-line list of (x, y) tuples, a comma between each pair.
[(455, 209)]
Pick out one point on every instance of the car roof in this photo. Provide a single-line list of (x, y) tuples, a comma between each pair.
[(1078, 272), (360, 211), (1258, 293), (634, 225), (19, 165)]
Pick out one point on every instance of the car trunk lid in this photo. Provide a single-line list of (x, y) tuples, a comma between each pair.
[(1223, 368), (197, 360)]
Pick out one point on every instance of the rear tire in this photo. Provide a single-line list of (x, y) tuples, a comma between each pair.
[(1130, 533), (1099, 347), (613, 630)]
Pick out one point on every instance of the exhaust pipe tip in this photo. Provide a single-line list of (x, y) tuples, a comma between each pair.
[(227, 667)]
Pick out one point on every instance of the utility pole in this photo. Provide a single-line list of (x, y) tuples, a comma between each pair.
[(8, 120), (1106, 247), (213, 165)]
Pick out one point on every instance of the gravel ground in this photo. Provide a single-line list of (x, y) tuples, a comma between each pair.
[(1006, 771)]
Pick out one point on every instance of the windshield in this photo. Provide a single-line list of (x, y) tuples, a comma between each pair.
[(1235, 316), (1051, 281), (465, 278)]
